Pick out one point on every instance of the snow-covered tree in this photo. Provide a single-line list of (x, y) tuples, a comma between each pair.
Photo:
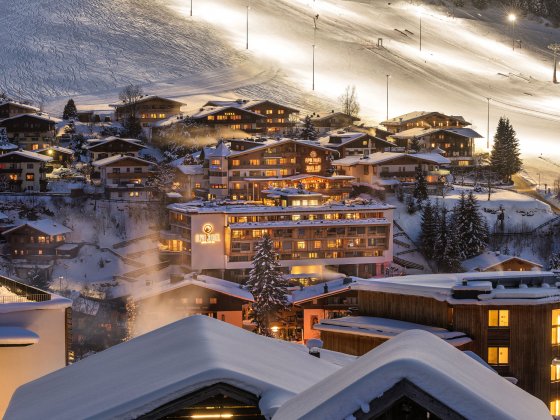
[(442, 236), (420, 185), (162, 178), (429, 229), (129, 96), (505, 152), (70, 110), (308, 132), (451, 258), (471, 226), (349, 101), (267, 286), (554, 262), (415, 144)]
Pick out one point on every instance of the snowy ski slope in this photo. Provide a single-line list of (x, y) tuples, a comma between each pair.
[(88, 49)]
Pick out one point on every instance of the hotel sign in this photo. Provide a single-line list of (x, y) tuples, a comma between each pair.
[(207, 237)]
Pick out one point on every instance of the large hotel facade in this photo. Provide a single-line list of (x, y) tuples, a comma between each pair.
[(215, 239)]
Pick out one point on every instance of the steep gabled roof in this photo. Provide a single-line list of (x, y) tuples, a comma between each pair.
[(136, 377), (384, 157), (146, 98), (490, 259), (36, 116), (413, 116), (275, 143), (46, 226), (20, 105), (452, 378), (333, 114), (216, 110), (25, 155), (130, 142), (247, 104), (117, 158)]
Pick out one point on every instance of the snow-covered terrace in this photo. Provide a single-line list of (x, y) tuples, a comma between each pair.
[(250, 208), (307, 223)]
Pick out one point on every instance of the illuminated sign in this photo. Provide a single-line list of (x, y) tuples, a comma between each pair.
[(207, 237), (313, 163)]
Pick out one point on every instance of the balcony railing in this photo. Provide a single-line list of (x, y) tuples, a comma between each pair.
[(23, 292)]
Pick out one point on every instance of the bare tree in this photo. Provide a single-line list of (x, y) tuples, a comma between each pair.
[(129, 96), (349, 101)]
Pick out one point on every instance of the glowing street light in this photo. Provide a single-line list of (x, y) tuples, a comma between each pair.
[(512, 18), (555, 49), (388, 76)]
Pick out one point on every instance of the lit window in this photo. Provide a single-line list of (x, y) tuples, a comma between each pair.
[(555, 407), (555, 373), (296, 217), (280, 112), (161, 115), (270, 173), (301, 245), (40, 251), (269, 112), (556, 326), (213, 301), (498, 355), (235, 162), (317, 244), (498, 318), (198, 301), (254, 162), (211, 118)]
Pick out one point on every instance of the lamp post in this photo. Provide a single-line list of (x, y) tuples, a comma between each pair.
[(555, 49), (247, 44), (315, 19), (191, 8), (512, 18), (419, 10), (488, 126), (387, 76)]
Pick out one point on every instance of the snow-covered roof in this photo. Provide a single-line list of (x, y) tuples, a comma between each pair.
[(57, 149), (136, 377), (28, 155), (290, 192), (56, 302), (329, 115), (42, 117), (144, 99), (215, 110), (221, 150), (273, 143), (204, 207), (16, 336), (191, 169), (490, 259), (207, 282), (442, 287), (384, 157), (386, 328), (411, 116), (19, 104), (47, 226), (8, 146), (445, 373), (425, 131), (95, 143), (117, 158), (318, 290), (246, 104)]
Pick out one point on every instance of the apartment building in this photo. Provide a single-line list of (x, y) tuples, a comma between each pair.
[(356, 143), (23, 171), (124, 177), (150, 109), (113, 146), (30, 131), (10, 109)]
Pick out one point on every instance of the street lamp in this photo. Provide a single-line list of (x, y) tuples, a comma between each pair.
[(315, 19), (555, 49), (419, 10), (191, 8), (512, 18), (247, 44), (388, 76)]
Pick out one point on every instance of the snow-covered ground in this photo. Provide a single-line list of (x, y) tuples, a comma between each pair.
[(89, 49)]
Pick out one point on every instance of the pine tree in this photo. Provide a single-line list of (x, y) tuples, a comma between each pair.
[(451, 260), (308, 132), (415, 144), (420, 185), (554, 262), (471, 226), (70, 110), (505, 151), (267, 285), (428, 230), (442, 237)]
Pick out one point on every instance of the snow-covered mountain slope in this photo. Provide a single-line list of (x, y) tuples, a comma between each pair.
[(89, 49)]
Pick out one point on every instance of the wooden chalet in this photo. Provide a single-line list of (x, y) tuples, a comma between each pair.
[(30, 131), (324, 123), (423, 119), (278, 117), (512, 318), (230, 118), (496, 261), (39, 240), (149, 109), (23, 171), (124, 177), (356, 144), (61, 156), (113, 146), (10, 109)]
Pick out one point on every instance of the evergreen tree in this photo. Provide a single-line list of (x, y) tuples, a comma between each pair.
[(554, 262), (451, 259), (420, 185), (428, 230), (410, 205), (267, 285), (442, 237), (132, 127), (70, 110), (415, 144), (308, 131), (505, 151), (471, 226)]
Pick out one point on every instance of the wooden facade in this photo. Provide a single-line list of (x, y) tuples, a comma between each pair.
[(527, 335), (232, 118), (423, 119), (149, 110), (332, 121), (11, 109), (113, 147), (30, 131), (359, 145)]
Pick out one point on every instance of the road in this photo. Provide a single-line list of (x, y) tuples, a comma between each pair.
[(524, 187)]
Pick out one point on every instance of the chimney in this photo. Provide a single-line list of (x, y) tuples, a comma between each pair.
[(326, 288), (314, 345), (194, 276)]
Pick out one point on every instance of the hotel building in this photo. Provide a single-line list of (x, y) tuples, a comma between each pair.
[(308, 236)]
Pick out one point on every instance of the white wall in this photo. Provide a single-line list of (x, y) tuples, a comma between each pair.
[(19, 365)]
